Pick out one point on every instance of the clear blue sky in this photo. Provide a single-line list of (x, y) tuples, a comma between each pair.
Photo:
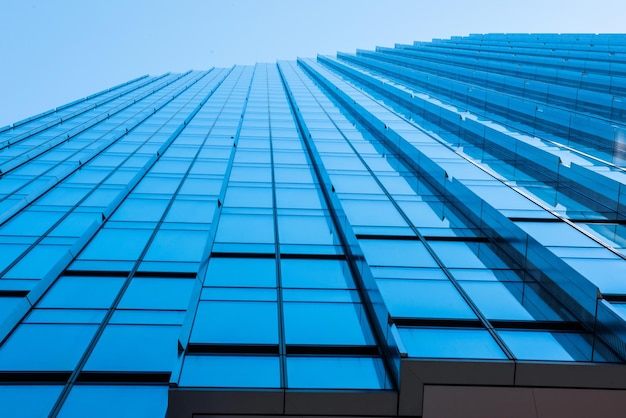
[(52, 52)]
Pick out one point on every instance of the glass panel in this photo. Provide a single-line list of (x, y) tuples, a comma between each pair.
[(231, 371), (241, 272), (245, 228), (146, 210), (336, 373), (65, 316), (147, 348), (117, 244), (450, 343), (45, 347), (511, 301), (115, 401), (145, 293), (31, 223), (396, 253), (191, 211), (326, 324), (172, 245), (236, 323), (321, 274), (27, 401), (315, 230), (38, 262), (552, 346), (424, 299), (457, 254), (82, 292)]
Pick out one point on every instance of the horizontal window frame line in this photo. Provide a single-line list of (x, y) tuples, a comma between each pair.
[(167, 274), (337, 350), (14, 293), (32, 377), (95, 273), (295, 256), (161, 378), (425, 237), (538, 325), (574, 220), (437, 322), (614, 297), (207, 348), (387, 237), (272, 256), (222, 254), (456, 239)]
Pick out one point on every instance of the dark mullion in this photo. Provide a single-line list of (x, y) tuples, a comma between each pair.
[(279, 287)]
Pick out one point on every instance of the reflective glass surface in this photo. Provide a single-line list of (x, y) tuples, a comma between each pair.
[(319, 226)]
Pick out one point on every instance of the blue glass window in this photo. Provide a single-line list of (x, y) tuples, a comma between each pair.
[(26, 401), (38, 262), (161, 293), (194, 211), (326, 324), (250, 197), (116, 401), (173, 245), (231, 371), (424, 299), (164, 185), (331, 274), (75, 224), (336, 373), (65, 316), (9, 252), (245, 228), (143, 348), (204, 187), (456, 255), (82, 292), (497, 301), (44, 347), (146, 210), (241, 272), (298, 198), (236, 323), (372, 212), (117, 244), (541, 345), (396, 253), (8, 303), (315, 230), (450, 343)]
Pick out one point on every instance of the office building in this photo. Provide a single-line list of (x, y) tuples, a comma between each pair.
[(433, 230)]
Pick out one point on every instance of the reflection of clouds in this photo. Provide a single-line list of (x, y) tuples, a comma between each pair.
[(620, 137), (619, 145)]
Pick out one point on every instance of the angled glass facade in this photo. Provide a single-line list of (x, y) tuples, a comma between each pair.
[(422, 230)]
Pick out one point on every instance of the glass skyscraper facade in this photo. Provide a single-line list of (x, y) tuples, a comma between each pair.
[(433, 230)]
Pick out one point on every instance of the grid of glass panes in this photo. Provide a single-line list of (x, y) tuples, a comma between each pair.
[(400, 259), (108, 314), (277, 278), (177, 224)]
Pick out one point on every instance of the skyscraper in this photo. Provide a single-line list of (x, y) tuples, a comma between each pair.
[(431, 230)]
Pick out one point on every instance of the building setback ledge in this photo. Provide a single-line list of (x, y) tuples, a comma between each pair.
[(419, 377), (521, 402)]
